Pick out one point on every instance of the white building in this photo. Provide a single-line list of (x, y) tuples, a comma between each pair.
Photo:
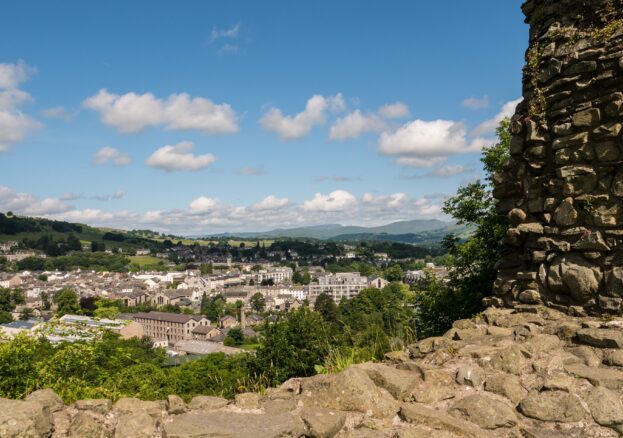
[(338, 286), (277, 275)]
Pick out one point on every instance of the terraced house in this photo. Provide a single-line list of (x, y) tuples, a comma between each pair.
[(171, 327)]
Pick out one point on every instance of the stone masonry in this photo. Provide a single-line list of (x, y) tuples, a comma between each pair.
[(563, 187)]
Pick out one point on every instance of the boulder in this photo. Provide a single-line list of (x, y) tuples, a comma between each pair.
[(399, 383), (510, 360), (322, 423), (614, 358), (48, 398), (506, 385), (552, 406), (606, 408), (471, 375), (86, 424), (136, 425), (350, 390), (485, 412), (231, 424), (176, 405), (133, 405), (24, 419)]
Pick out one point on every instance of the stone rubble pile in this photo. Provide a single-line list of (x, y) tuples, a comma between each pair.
[(530, 372), (563, 187)]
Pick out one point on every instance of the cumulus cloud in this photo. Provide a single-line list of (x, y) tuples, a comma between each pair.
[(420, 138), (396, 110), (203, 204), (27, 204), (11, 75), (337, 200), (476, 103), (180, 157), (489, 126), (58, 112), (355, 124), (271, 202), (111, 155), (301, 124), (396, 200), (14, 125), (131, 112)]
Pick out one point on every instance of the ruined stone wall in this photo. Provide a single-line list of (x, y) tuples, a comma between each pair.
[(563, 187)]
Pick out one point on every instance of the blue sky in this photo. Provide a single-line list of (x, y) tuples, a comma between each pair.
[(201, 116)]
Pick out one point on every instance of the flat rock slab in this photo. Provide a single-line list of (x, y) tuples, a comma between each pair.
[(610, 378), (601, 338), (235, 425), (422, 415)]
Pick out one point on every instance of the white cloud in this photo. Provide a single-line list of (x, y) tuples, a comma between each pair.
[(396, 200), (205, 215), (27, 204), (180, 157), (476, 103), (14, 125), (109, 154), (271, 202), (132, 113), (448, 171), (301, 124), (11, 75), (217, 34), (203, 205), (58, 112), (337, 200), (489, 126), (426, 139), (419, 162), (355, 124), (395, 110)]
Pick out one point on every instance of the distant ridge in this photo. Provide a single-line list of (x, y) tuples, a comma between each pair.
[(403, 230)]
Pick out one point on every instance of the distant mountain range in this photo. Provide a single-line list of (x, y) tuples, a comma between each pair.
[(414, 231)]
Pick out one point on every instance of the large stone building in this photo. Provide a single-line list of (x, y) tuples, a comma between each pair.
[(563, 187), (338, 286), (171, 327)]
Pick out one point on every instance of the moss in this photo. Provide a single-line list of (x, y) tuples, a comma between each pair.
[(537, 104)]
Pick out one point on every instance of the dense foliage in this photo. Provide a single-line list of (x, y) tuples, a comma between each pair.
[(473, 261)]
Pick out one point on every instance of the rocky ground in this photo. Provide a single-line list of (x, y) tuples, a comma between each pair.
[(529, 372)]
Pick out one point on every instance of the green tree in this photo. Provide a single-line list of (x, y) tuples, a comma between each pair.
[(473, 262), (234, 337), (5, 317), (66, 301), (394, 273), (327, 308), (258, 302)]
